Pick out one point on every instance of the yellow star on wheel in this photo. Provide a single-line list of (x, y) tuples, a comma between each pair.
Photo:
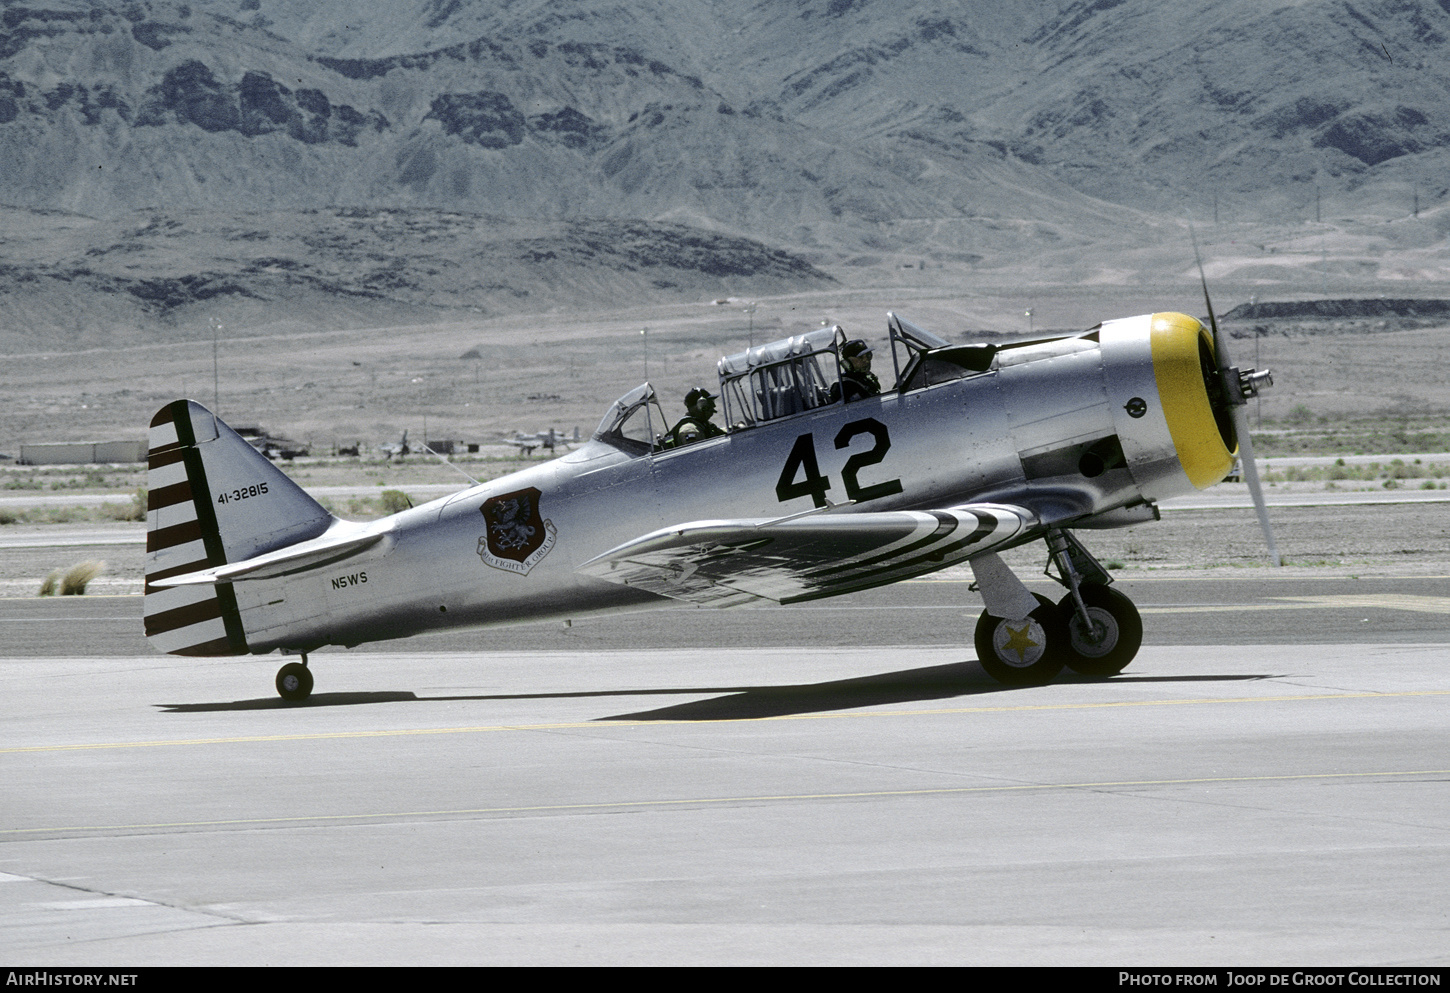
[(1018, 641)]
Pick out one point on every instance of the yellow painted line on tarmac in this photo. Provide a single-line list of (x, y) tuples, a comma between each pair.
[(577, 725), (1374, 601), (1383, 601), (1231, 574), (1122, 784), (1225, 608)]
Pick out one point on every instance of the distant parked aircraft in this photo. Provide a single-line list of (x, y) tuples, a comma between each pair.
[(400, 449), (550, 439)]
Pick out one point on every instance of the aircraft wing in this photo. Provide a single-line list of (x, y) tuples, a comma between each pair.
[(807, 557)]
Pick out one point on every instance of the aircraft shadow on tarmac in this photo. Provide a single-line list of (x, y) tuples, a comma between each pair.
[(957, 679), (315, 700)]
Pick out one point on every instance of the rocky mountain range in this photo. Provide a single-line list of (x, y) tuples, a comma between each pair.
[(835, 131), (98, 282)]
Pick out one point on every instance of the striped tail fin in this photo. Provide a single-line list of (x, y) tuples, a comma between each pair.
[(212, 499)]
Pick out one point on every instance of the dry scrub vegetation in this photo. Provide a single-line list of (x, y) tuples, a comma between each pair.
[(72, 581)]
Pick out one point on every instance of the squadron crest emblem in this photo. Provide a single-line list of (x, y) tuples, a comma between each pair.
[(516, 537)]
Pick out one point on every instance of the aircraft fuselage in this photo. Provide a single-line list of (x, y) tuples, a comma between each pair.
[(1076, 425)]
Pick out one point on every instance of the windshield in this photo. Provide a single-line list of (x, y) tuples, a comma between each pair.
[(908, 342), (634, 423)]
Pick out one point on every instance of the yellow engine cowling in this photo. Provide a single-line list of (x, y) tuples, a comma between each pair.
[(1186, 369), (1168, 407)]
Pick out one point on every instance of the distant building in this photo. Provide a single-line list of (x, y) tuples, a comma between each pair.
[(78, 453)]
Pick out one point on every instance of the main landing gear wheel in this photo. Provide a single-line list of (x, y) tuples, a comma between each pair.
[(1028, 652), (1117, 631), (294, 681)]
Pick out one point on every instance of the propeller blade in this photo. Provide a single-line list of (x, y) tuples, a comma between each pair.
[(1233, 393), (1220, 347), (1251, 476)]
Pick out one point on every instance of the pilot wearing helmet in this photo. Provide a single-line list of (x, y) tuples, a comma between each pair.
[(696, 424), (857, 380)]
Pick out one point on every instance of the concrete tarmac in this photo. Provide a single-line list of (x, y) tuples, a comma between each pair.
[(837, 783)]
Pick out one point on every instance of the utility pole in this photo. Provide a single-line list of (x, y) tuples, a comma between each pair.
[(216, 330), (1258, 400)]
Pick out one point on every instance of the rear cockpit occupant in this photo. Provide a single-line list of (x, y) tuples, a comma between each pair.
[(696, 424), (857, 380)]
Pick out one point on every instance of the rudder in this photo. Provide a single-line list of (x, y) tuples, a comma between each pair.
[(212, 499)]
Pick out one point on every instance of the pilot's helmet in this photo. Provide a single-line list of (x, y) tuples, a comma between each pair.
[(855, 347), (696, 395)]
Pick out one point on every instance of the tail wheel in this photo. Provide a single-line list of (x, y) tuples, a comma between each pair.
[(1115, 635), (294, 682), (1028, 652)]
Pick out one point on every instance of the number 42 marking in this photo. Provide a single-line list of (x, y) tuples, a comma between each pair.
[(802, 460)]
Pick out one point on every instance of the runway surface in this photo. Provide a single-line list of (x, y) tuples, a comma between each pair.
[(837, 783), (1225, 497)]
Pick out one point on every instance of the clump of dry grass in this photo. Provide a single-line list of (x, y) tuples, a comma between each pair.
[(73, 581), (78, 576)]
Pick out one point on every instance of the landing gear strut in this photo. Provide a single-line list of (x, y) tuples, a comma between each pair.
[(1103, 628), (1094, 630), (294, 681), (1106, 642)]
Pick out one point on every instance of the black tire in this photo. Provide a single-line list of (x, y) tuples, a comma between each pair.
[(1022, 653), (1120, 631), (294, 682)]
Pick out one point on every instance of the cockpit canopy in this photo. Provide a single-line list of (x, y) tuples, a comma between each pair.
[(781, 378), (922, 359), (795, 375)]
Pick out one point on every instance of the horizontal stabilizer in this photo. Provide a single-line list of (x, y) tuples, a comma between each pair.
[(314, 554), (727, 563)]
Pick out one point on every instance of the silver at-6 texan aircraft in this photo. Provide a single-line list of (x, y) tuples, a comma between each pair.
[(973, 449)]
